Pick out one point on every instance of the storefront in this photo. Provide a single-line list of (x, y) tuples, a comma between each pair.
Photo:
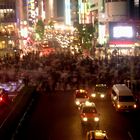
[(122, 39), (8, 38)]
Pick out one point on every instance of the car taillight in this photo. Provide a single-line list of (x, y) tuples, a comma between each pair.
[(0, 98)]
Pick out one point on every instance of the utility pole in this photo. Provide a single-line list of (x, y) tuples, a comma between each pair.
[(132, 68)]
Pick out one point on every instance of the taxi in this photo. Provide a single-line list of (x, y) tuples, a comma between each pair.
[(100, 91), (89, 114), (81, 96), (96, 135)]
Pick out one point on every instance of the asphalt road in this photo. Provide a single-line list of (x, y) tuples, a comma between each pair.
[(55, 117)]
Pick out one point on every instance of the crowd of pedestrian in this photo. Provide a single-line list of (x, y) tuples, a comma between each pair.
[(64, 70)]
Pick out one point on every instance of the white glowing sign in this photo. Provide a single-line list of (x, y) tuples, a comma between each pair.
[(123, 31), (67, 12), (31, 8)]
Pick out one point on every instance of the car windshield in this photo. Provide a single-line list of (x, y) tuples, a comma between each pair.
[(100, 88), (89, 110), (126, 98), (81, 95)]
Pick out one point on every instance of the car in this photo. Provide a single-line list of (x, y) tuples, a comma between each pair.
[(4, 99), (81, 96), (123, 98), (96, 135), (89, 114), (12, 88), (100, 91)]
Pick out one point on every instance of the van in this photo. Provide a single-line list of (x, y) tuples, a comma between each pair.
[(122, 98)]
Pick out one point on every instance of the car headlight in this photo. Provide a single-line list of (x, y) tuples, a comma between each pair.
[(135, 106), (85, 119), (118, 106), (77, 103), (93, 95), (102, 95), (96, 119)]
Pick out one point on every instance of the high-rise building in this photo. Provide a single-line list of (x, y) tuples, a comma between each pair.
[(134, 9), (55, 10), (62, 11), (74, 12)]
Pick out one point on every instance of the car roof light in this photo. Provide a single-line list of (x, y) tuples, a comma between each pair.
[(100, 85), (82, 90), (100, 134), (87, 103)]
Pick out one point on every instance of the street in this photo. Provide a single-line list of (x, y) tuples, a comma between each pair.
[(56, 117)]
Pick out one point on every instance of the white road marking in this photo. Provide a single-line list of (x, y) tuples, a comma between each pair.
[(130, 136)]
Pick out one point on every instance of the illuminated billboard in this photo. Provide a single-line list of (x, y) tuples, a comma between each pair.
[(67, 12), (31, 11), (121, 31)]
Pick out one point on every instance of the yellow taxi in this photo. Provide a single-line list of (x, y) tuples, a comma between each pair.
[(96, 135)]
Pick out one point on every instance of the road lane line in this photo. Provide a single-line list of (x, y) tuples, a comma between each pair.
[(130, 136)]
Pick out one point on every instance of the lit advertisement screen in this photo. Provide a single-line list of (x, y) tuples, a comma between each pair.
[(121, 31)]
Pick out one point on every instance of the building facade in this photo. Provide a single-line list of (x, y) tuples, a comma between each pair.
[(8, 25), (111, 13), (55, 10)]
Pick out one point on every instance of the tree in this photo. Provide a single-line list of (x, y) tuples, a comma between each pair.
[(85, 33), (39, 29)]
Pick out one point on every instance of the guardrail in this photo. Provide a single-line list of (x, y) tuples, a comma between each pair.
[(19, 106)]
